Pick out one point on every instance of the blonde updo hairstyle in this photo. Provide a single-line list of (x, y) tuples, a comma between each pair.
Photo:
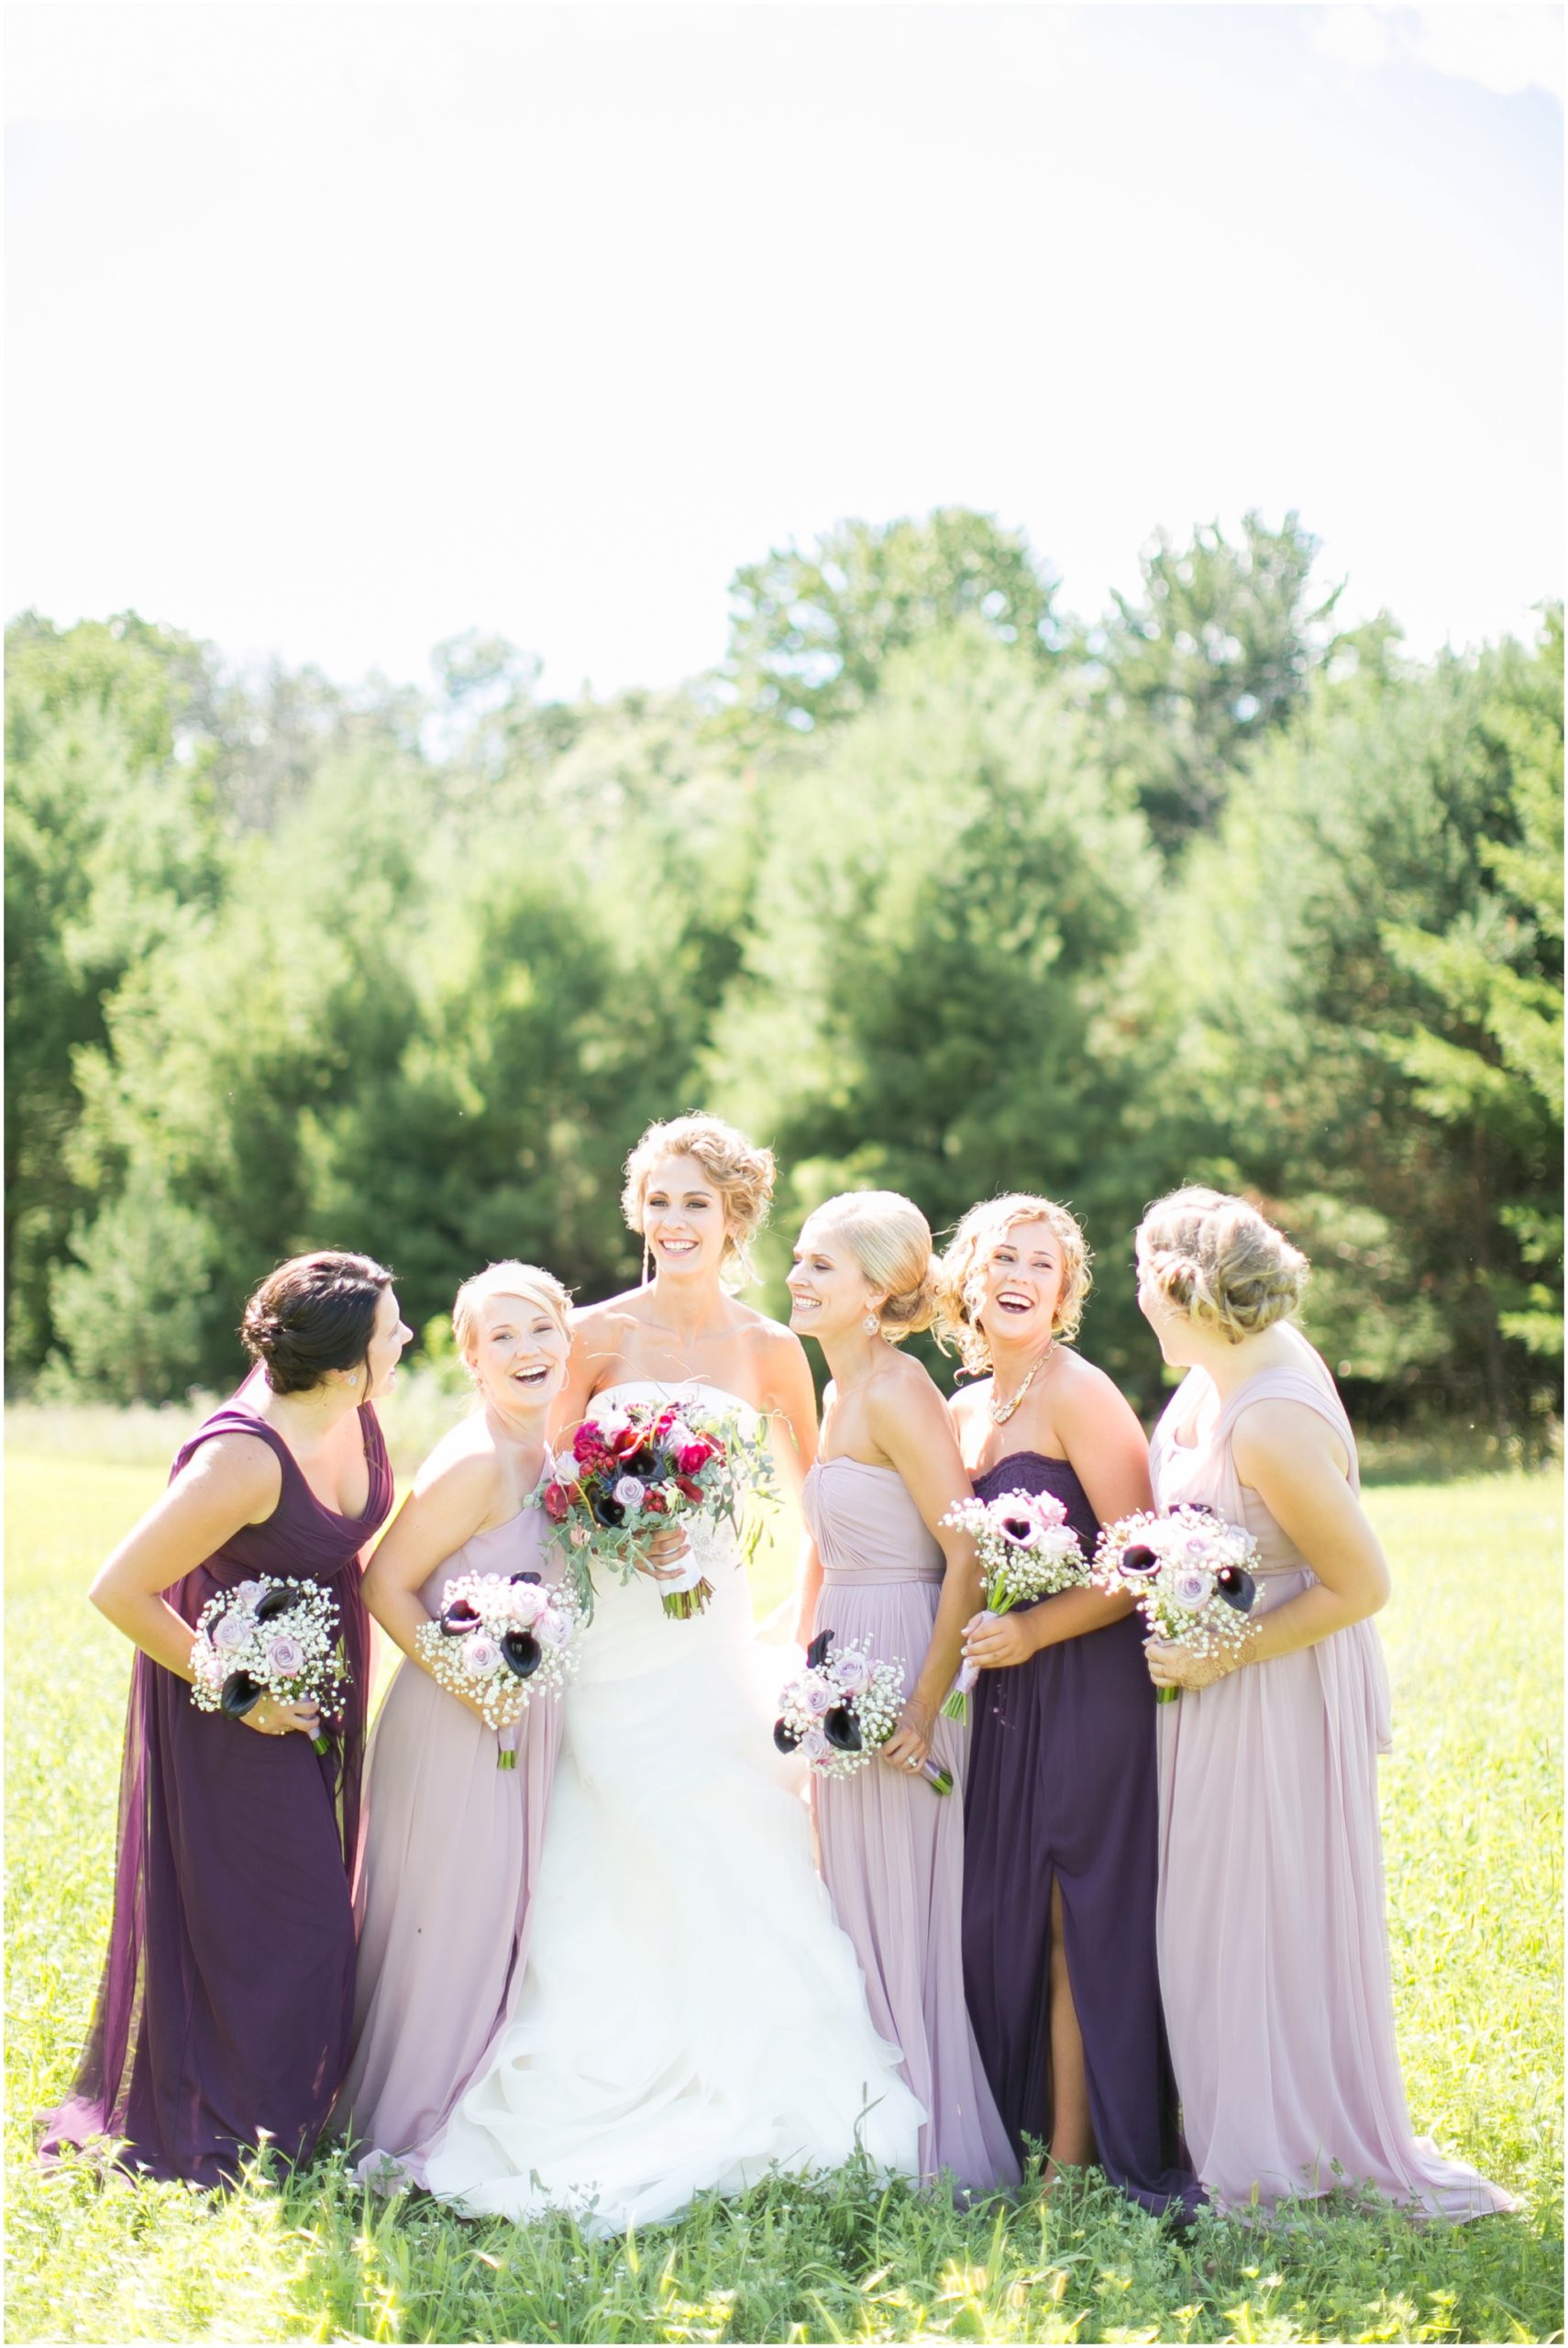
[(961, 1271), (742, 1174), (890, 1241), (510, 1279), (1218, 1260)]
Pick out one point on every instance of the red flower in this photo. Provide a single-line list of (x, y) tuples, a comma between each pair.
[(627, 1441), (558, 1502), (690, 1491), (656, 1504), (586, 1441), (694, 1456)]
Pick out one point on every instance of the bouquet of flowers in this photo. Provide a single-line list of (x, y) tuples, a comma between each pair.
[(635, 1472), (272, 1636), (502, 1640), (1189, 1573), (843, 1709), (1027, 1550)]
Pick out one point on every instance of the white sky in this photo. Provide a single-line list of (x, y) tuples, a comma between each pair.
[(336, 329)]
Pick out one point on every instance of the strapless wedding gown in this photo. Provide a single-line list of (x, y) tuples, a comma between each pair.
[(691, 2014)]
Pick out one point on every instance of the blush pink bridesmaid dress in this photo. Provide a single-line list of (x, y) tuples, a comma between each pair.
[(1272, 1926)]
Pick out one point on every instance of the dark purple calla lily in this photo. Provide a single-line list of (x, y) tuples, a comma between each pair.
[(784, 1736), (842, 1730), (275, 1603), (523, 1652), (1140, 1559), (1236, 1587), (240, 1692), (459, 1618), (608, 1511), (526, 1577), (817, 1653)]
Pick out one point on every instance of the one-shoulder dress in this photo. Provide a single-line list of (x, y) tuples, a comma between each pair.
[(452, 1847), (1273, 1931), (227, 1994), (892, 1849), (1062, 1791)]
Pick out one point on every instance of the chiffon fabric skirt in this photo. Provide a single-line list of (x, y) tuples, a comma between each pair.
[(452, 1856), (892, 1857)]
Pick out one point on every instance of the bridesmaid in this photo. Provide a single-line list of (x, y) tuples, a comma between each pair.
[(226, 1999), (885, 1569), (1059, 1951), (452, 1844), (1272, 1860)]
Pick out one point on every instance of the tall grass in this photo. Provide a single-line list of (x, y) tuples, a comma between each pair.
[(1473, 1821)]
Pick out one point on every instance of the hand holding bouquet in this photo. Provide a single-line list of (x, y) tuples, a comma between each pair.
[(1027, 1550), (842, 1710), (653, 1468), (1190, 1573), (272, 1636), (500, 1641)]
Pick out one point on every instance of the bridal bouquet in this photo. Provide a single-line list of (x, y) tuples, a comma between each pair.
[(634, 1472), (1027, 1550), (843, 1709), (273, 1636), (1190, 1573), (502, 1640)]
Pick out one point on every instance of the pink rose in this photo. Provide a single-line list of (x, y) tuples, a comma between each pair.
[(629, 1491), (853, 1671), (249, 1594), (481, 1657), (694, 1455), (814, 1746), (816, 1695), (285, 1655), (527, 1601), (551, 1628), (230, 1632)]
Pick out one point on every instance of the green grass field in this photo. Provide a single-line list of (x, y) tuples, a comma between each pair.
[(1472, 1817)]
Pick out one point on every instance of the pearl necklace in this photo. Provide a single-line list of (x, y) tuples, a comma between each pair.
[(1001, 1411)]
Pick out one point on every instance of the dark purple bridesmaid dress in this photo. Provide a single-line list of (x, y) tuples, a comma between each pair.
[(227, 1994), (1063, 1787)]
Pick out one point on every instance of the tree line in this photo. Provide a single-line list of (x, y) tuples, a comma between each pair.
[(930, 885)]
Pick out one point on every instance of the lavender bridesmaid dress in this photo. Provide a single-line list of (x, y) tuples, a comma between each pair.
[(1062, 1791), (1273, 1933), (892, 1849), (227, 1994), (452, 1851)]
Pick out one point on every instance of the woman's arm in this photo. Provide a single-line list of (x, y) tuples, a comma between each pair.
[(1109, 1452), (230, 1481), (1290, 1456), (451, 1501), (790, 1400), (909, 1424)]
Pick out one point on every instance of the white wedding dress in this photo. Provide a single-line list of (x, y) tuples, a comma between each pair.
[(691, 2014)]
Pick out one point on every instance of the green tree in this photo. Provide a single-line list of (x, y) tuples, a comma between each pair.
[(1212, 657), (811, 634), (932, 1002)]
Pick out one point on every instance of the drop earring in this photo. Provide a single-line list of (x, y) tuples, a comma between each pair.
[(871, 1324)]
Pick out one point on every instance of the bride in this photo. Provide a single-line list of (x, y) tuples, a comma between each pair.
[(691, 2014)]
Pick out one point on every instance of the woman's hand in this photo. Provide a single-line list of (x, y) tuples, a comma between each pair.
[(997, 1642), (270, 1718), (1171, 1665), (910, 1741), (661, 1557)]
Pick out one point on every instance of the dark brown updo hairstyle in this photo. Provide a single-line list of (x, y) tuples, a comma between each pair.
[(313, 1314)]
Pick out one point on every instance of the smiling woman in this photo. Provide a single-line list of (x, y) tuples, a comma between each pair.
[(444, 1915)]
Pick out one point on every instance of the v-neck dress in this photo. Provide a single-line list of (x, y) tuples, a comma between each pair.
[(228, 1993)]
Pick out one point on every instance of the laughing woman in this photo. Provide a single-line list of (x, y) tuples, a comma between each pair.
[(1272, 1857), (887, 1569), (452, 1850), (227, 1994), (1063, 1855)]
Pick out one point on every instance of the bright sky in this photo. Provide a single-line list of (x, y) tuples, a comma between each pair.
[(336, 329)]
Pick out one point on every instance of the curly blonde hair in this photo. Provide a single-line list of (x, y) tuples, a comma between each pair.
[(1217, 1259), (890, 1241), (960, 1270), (742, 1174), (508, 1278)]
